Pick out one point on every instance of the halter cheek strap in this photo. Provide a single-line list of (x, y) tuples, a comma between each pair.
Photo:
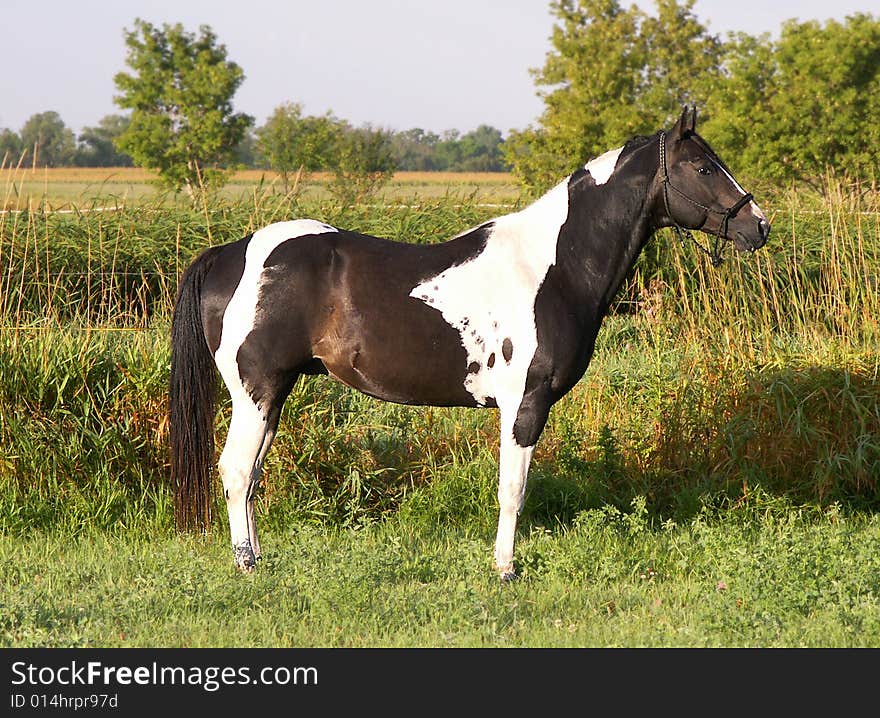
[(714, 253)]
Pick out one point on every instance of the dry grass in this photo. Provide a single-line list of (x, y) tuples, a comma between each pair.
[(82, 187), (98, 175)]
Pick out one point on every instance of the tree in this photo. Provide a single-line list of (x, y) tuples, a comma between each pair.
[(96, 148), (10, 148), (48, 142), (245, 153), (792, 109), (683, 63), (481, 151), (447, 152), (363, 163), (475, 151), (592, 75), (290, 142), (612, 73), (180, 96), (415, 150)]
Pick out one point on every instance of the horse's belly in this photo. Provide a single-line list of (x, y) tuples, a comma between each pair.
[(401, 361), (397, 380)]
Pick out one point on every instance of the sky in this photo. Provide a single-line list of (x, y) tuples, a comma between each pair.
[(447, 64)]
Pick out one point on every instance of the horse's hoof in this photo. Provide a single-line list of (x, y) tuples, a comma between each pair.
[(508, 575), (244, 557)]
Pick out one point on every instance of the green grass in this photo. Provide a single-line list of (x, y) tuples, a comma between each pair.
[(713, 479), (754, 575)]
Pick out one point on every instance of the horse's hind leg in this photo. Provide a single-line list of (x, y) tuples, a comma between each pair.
[(271, 429), (251, 432)]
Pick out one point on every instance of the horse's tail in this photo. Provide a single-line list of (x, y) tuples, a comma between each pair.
[(191, 402)]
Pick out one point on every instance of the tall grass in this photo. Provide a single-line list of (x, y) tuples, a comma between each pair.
[(707, 384)]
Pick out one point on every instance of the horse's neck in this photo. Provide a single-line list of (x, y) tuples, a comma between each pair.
[(604, 229)]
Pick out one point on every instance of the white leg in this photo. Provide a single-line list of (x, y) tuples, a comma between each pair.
[(240, 464), (513, 469)]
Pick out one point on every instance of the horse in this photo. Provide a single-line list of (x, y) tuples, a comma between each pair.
[(504, 315)]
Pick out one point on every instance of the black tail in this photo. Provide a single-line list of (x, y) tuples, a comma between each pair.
[(191, 403)]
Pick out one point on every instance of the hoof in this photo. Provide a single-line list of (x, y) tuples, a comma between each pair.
[(244, 557), (507, 575)]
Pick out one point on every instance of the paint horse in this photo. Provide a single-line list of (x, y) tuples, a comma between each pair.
[(504, 315)]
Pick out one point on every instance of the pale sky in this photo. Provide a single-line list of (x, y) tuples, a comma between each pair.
[(447, 64)]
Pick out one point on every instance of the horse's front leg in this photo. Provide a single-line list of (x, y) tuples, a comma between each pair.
[(513, 469), (520, 429)]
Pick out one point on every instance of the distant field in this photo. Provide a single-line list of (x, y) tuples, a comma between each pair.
[(63, 187)]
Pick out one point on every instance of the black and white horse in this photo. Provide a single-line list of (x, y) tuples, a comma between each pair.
[(504, 315)]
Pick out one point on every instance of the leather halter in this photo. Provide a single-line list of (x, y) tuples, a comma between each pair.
[(714, 253)]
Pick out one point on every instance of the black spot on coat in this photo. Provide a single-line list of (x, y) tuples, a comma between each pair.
[(507, 349)]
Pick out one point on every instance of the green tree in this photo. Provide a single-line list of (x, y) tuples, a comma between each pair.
[(415, 150), (475, 151), (739, 102), (590, 80), (290, 142), (180, 95), (682, 65), (48, 142), (246, 153), (96, 144), (613, 72), (447, 152), (793, 109), (10, 148), (481, 151), (363, 163)]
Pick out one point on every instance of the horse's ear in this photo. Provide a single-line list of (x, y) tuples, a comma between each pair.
[(686, 124)]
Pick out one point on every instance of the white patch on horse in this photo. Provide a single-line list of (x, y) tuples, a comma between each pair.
[(602, 167), (240, 315), (753, 206), (491, 298)]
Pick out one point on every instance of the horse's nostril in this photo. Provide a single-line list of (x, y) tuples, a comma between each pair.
[(764, 229)]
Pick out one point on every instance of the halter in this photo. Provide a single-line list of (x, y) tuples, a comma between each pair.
[(714, 253)]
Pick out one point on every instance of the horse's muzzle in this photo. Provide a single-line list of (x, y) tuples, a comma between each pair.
[(751, 241)]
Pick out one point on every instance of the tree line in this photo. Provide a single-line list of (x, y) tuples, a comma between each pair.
[(785, 109), (288, 141)]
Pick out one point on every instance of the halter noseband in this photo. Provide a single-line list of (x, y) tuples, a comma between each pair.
[(714, 253)]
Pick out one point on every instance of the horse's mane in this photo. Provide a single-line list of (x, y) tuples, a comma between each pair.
[(637, 141)]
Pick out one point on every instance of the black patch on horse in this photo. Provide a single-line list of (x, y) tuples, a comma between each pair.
[(219, 286), (507, 349)]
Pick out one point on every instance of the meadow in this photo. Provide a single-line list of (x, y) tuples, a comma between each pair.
[(711, 481)]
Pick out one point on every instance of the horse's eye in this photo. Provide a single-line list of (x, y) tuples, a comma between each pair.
[(704, 170)]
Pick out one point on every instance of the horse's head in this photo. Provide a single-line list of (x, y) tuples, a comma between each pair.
[(698, 191)]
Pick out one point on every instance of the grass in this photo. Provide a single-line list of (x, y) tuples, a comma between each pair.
[(712, 481), (731, 578)]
